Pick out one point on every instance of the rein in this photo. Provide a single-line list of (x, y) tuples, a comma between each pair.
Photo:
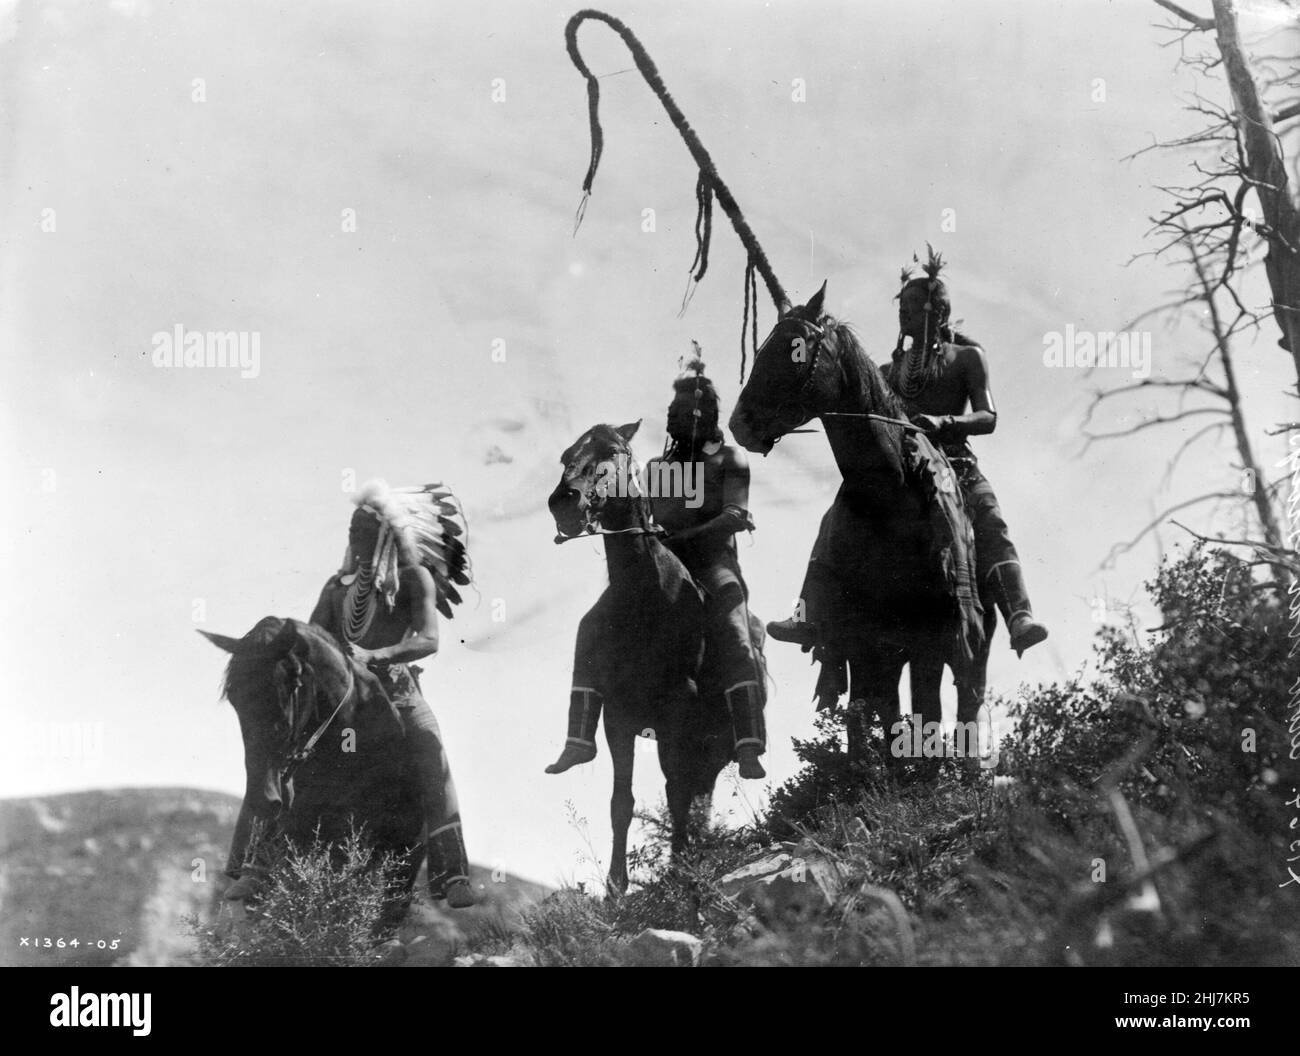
[(814, 350), (874, 417), (304, 753), (593, 528), (591, 515)]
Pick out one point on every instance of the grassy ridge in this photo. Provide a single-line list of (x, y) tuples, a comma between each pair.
[(1142, 820)]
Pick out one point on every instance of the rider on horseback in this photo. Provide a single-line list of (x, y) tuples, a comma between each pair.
[(405, 550), (937, 372), (701, 532)]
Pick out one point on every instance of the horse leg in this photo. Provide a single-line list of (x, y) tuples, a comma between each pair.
[(679, 790), (873, 692), (926, 669), (968, 736), (856, 727), (622, 752)]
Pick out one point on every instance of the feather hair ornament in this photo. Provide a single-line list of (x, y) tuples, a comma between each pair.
[(417, 526), (934, 264)]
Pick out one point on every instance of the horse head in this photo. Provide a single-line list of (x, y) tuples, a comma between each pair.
[(600, 486), (287, 678), (790, 383)]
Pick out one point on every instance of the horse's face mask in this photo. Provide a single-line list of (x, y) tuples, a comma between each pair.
[(779, 394), (597, 468)]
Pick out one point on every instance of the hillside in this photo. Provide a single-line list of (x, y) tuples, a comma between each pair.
[(126, 865)]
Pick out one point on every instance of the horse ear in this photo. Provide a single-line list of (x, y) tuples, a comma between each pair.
[(628, 431), (813, 309), (221, 641)]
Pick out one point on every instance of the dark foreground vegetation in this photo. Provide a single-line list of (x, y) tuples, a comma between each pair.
[(1140, 817)]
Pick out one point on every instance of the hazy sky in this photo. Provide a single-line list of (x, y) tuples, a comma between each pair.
[(200, 164)]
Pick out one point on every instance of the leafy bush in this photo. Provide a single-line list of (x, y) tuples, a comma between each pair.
[(570, 929), (1184, 731), (320, 905), (1198, 706), (575, 928)]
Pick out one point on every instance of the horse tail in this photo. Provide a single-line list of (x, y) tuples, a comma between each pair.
[(710, 184)]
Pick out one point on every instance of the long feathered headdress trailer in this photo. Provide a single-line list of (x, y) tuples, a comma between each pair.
[(419, 525)]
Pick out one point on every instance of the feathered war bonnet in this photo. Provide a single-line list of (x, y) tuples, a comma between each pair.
[(693, 382), (417, 526)]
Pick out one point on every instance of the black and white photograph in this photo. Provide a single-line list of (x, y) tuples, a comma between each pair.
[(713, 484)]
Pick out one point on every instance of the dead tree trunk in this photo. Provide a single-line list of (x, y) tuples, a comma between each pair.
[(1267, 172)]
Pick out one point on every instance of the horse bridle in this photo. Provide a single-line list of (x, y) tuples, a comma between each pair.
[(294, 759), (814, 350), (810, 375), (591, 519)]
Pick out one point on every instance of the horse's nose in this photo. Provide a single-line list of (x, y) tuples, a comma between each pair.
[(563, 502), (739, 424)]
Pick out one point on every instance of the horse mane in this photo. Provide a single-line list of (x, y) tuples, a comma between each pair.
[(876, 390), (242, 672), (248, 676)]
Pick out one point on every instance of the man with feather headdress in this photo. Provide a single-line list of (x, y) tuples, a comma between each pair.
[(405, 557), (939, 372)]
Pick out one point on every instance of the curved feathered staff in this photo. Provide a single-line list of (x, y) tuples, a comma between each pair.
[(709, 185)]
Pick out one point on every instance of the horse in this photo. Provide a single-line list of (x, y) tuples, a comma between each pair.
[(322, 749), (646, 638), (894, 608)]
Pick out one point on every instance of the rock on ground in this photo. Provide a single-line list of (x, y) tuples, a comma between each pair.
[(656, 948)]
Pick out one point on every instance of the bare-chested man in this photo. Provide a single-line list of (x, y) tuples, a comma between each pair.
[(939, 373), (700, 494)]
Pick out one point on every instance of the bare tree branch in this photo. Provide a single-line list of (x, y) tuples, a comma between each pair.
[(1155, 522), (1151, 423), (1196, 21)]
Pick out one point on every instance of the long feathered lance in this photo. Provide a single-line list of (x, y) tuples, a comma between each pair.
[(708, 186)]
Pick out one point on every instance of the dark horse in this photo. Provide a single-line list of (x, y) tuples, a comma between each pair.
[(322, 747), (892, 607), (646, 638)]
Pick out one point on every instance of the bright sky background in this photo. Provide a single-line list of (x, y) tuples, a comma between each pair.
[(141, 498)]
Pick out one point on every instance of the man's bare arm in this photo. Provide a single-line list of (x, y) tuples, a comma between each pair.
[(735, 497), (982, 418)]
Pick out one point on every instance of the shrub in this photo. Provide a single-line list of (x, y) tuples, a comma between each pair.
[(1174, 754), (320, 905)]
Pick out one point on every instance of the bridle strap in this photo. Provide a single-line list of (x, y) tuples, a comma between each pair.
[(304, 753), (595, 529), (814, 350), (591, 525)]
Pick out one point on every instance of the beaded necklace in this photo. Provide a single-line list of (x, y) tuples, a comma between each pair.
[(359, 606)]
